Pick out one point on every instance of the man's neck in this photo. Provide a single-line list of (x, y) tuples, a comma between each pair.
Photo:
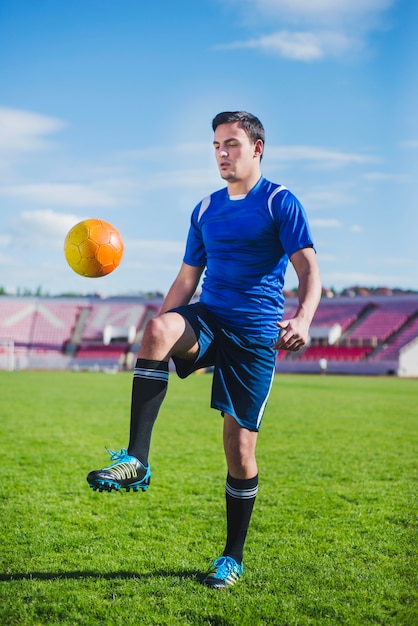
[(242, 187)]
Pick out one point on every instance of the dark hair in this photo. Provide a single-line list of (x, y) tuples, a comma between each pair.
[(251, 124)]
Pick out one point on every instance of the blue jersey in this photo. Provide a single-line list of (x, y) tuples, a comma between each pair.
[(245, 244)]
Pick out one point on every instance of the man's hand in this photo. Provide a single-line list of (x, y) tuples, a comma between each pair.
[(294, 333), (293, 336)]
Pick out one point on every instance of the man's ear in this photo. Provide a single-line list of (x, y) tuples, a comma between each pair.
[(258, 148)]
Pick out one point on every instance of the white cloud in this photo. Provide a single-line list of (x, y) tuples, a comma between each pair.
[(157, 246), (387, 176), (25, 131), (201, 179), (390, 262), (49, 222), (5, 240), (300, 45), (325, 223), (334, 158), (44, 229), (409, 143), (168, 152), (321, 11), (329, 197), (148, 256), (330, 28), (326, 258), (75, 195)]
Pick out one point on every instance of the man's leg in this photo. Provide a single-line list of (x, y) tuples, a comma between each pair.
[(241, 484), (241, 490), (164, 336)]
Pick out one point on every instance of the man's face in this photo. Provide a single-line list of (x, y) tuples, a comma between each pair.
[(237, 157)]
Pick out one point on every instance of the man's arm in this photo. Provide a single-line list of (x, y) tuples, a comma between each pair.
[(295, 331), (183, 287)]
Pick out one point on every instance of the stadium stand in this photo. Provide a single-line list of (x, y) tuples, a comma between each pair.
[(373, 329), (38, 329), (116, 314), (386, 318), (362, 334), (16, 319), (406, 335), (53, 324), (336, 312), (335, 353), (110, 329)]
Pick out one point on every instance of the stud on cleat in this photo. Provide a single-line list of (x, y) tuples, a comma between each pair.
[(104, 486), (126, 473)]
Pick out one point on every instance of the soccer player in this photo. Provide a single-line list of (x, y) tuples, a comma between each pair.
[(242, 236)]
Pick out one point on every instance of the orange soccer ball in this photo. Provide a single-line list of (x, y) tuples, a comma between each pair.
[(93, 248)]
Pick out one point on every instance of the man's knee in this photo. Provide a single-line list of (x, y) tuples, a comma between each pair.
[(169, 334), (160, 335), (155, 328)]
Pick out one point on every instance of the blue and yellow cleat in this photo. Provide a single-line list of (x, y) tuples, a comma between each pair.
[(126, 473), (223, 572)]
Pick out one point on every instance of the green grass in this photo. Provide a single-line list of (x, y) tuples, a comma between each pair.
[(333, 535)]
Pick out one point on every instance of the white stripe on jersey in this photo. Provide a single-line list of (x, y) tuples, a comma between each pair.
[(205, 204), (272, 195)]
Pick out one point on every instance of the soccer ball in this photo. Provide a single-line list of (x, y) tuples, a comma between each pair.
[(93, 248)]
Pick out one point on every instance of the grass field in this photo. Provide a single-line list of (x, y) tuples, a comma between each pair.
[(333, 537)]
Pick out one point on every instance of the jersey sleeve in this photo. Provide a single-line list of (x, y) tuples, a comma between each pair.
[(292, 222), (195, 253)]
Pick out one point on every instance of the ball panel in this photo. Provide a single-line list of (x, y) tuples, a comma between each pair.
[(78, 233), (116, 241), (118, 257), (90, 268), (107, 269), (72, 254), (106, 255), (89, 249), (100, 233)]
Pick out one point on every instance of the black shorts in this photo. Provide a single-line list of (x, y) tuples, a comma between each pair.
[(244, 366)]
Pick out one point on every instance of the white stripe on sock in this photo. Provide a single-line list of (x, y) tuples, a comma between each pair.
[(141, 372), (241, 494)]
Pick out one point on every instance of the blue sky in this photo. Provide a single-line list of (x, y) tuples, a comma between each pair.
[(106, 109)]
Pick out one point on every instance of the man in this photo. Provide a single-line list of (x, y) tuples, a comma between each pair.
[(243, 235)]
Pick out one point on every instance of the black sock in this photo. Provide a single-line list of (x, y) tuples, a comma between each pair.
[(240, 498), (148, 391)]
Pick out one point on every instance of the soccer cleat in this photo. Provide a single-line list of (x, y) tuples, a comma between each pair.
[(223, 572), (126, 473)]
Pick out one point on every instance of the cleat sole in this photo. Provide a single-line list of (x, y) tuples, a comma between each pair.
[(110, 486)]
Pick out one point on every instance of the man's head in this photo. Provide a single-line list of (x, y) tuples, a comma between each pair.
[(239, 143), (250, 123)]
